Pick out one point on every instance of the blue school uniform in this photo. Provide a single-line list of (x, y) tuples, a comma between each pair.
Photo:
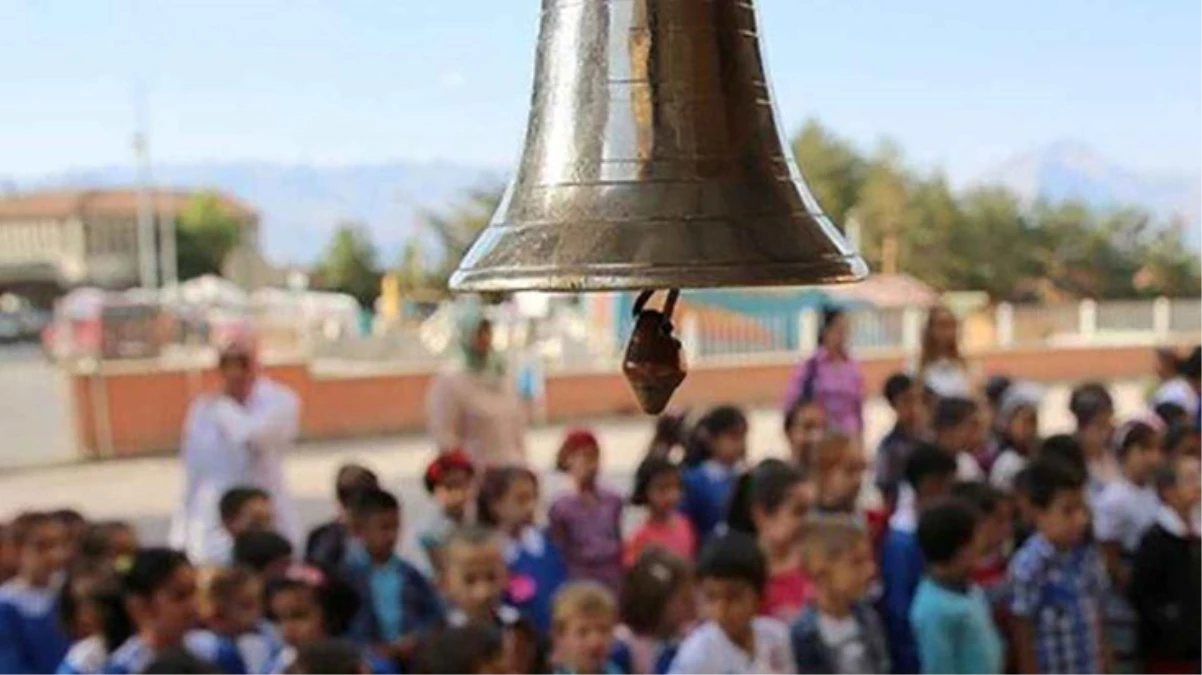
[(31, 637), (134, 655), (285, 658), (707, 488), (536, 571), (901, 571), (251, 652), (622, 656), (85, 657), (397, 599)]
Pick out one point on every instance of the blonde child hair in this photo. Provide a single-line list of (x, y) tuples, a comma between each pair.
[(582, 599), (827, 540)]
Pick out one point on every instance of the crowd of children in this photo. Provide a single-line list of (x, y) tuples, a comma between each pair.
[(991, 551)]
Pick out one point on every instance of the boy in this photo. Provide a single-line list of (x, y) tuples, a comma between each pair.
[(398, 601), (245, 508), (232, 609), (838, 631), (960, 431), (1056, 580), (732, 574), (952, 621), (929, 474), (31, 638), (905, 397), (583, 622), (266, 553), (326, 543), (1166, 580)]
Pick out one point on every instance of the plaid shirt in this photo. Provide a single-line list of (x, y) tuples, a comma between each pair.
[(1061, 594)]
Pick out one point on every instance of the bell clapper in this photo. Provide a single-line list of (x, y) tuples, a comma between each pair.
[(654, 364)]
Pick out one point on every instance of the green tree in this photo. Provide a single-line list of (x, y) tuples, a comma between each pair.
[(881, 205), (349, 264), (456, 230), (207, 231), (832, 167)]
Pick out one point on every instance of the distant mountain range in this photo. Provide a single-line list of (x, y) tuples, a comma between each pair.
[(300, 205)]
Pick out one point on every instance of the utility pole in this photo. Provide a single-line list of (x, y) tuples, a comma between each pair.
[(147, 259), (167, 261)]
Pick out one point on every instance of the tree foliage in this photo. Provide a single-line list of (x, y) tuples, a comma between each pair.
[(350, 264), (206, 233), (456, 230)]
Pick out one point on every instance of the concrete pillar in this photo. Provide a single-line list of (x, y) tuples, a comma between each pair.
[(1087, 319), (807, 330), (912, 320), (1162, 316), (1004, 325), (690, 338)]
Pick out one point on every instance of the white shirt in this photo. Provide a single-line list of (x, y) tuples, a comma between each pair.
[(843, 638), (228, 444), (947, 378), (708, 650), (481, 414), (1005, 468), (967, 468), (1178, 392), (1123, 512)]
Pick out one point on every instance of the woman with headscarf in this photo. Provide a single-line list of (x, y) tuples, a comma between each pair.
[(235, 437), (940, 365), (831, 377), (472, 404)]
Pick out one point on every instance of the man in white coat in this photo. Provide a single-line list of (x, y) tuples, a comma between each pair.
[(235, 437)]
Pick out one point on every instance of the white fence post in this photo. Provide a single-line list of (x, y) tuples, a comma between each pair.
[(807, 330), (1004, 324), (912, 329), (690, 338), (1162, 316), (1087, 319)]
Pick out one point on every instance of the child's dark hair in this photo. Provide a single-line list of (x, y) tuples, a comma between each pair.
[(96, 543), (928, 461), (1046, 477), (258, 550), (735, 556), (69, 517), (370, 502), (981, 495), (494, 485), (650, 469), (337, 599), (1171, 413), (1064, 448), (96, 586), (648, 587), (235, 498), (995, 389), (945, 528), (1191, 366), (896, 385), (150, 570), (462, 649), (328, 656), (671, 430), (1167, 475), (952, 411), (181, 661), (765, 487), (1175, 435), (25, 523), (352, 478), (1088, 401), (1134, 434), (795, 409), (719, 420)]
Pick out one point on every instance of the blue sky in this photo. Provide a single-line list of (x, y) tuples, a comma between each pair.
[(962, 85)]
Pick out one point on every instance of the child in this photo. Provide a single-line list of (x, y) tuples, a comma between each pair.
[(231, 607), (1093, 409), (508, 499), (1165, 582), (266, 553), (929, 474), (86, 592), (9, 555), (668, 439), (656, 606), (1056, 580), (1017, 428), (771, 502), (805, 425), (732, 573), (995, 528), (306, 606), (952, 621), (449, 480), (246, 509), (473, 584), (110, 544), (77, 527), (838, 631), (398, 603), (330, 655), (716, 447), (904, 395), (959, 431), (33, 641), (838, 469), (586, 522), (474, 648), (657, 486), (583, 625), (326, 543)]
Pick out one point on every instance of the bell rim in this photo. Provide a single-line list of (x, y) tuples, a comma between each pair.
[(628, 277)]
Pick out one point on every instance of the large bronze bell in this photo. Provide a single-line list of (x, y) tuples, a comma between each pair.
[(653, 161)]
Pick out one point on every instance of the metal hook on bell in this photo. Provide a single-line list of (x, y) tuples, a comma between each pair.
[(654, 362)]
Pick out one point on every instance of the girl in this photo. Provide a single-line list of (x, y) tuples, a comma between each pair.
[(1017, 428), (31, 639), (82, 612), (306, 607), (668, 441), (586, 522), (449, 479), (771, 502), (717, 445), (585, 616), (940, 365), (838, 473), (657, 608), (1093, 409), (805, 425), (657, 487), (832, 377), (508, 499)]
